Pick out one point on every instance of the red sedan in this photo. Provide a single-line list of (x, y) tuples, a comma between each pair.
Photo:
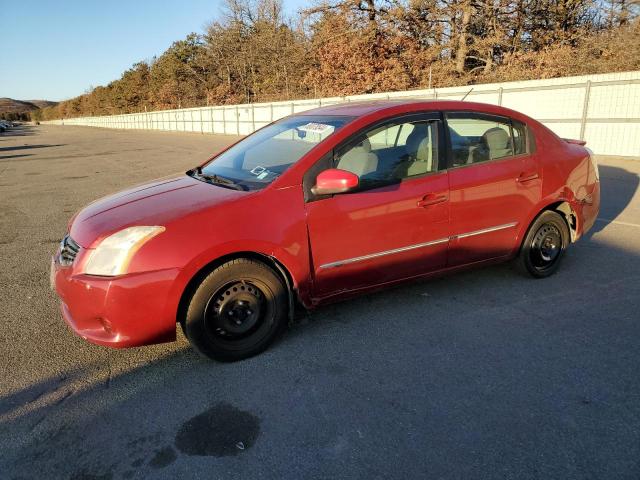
[(317, 207)]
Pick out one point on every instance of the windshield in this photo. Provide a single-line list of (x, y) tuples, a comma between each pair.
[(259, 159)]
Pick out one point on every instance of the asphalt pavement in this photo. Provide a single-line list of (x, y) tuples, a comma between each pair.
[(483, 374)]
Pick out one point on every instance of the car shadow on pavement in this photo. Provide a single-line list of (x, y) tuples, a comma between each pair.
[(617, 188), (482, 374), (437, 371), (6, 157), (30, 394), (27, 147)]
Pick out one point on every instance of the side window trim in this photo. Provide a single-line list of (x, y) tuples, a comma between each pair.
[(395, 143), (529, 143), (470, 114)]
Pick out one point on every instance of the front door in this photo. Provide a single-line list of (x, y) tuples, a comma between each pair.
[(494, 185), (396, 225)]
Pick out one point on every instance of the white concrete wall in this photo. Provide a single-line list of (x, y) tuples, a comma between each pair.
[(602, 109)]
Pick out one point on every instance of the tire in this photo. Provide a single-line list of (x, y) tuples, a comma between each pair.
[(544, 245), (237, 311)]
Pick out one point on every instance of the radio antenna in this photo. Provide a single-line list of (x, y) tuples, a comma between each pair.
[(466, 94)]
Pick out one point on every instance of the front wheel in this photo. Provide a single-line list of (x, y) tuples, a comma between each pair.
[(544, 245), (237, 311)]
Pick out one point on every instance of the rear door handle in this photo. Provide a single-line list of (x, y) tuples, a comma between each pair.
[(431, 199), (527, 177)]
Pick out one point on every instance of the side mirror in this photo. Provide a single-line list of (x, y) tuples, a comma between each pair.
[(335, 180)]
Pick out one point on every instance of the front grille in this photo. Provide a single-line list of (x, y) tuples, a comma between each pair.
[(68, 251)]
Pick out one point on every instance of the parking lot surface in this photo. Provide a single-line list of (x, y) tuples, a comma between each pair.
[(484, 374)]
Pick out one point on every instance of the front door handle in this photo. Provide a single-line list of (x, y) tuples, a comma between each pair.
[(527, 177), (431, 199)]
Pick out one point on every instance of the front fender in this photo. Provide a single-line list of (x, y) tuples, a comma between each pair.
[(295, 260)]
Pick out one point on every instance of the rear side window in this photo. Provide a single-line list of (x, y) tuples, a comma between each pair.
[(477, 138)]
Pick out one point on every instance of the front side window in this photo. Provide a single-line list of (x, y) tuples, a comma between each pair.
[(475, 139), (260, 158), (392, 152)]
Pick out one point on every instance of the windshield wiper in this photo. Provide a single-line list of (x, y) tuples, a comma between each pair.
[(217, 180)]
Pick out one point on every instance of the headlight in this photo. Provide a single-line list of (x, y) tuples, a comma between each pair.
[(112, 256)]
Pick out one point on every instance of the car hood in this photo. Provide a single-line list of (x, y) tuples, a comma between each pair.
[(154, 203)]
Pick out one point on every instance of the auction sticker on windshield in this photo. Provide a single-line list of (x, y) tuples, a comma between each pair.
[(316, 127)]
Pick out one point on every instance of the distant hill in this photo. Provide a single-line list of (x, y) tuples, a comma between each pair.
[(42, 103), (9, 105)]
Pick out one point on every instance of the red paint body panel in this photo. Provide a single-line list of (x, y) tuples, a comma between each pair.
[(361, 224), (156, 203), (422, 226), (121, 312), (488, 195)]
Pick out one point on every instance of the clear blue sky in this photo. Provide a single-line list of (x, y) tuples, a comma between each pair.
[(57, 49)]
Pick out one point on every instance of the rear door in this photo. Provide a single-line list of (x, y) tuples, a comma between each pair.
[(494, 184), (397, 224)]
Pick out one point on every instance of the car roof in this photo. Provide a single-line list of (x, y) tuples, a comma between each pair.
[(357, 109), (364, 108)]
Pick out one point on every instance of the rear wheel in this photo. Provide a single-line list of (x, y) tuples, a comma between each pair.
[(544, 245), (237, 311)]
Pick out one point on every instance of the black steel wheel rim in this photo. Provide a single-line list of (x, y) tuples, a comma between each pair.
[(546, 246), (235, 311)]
